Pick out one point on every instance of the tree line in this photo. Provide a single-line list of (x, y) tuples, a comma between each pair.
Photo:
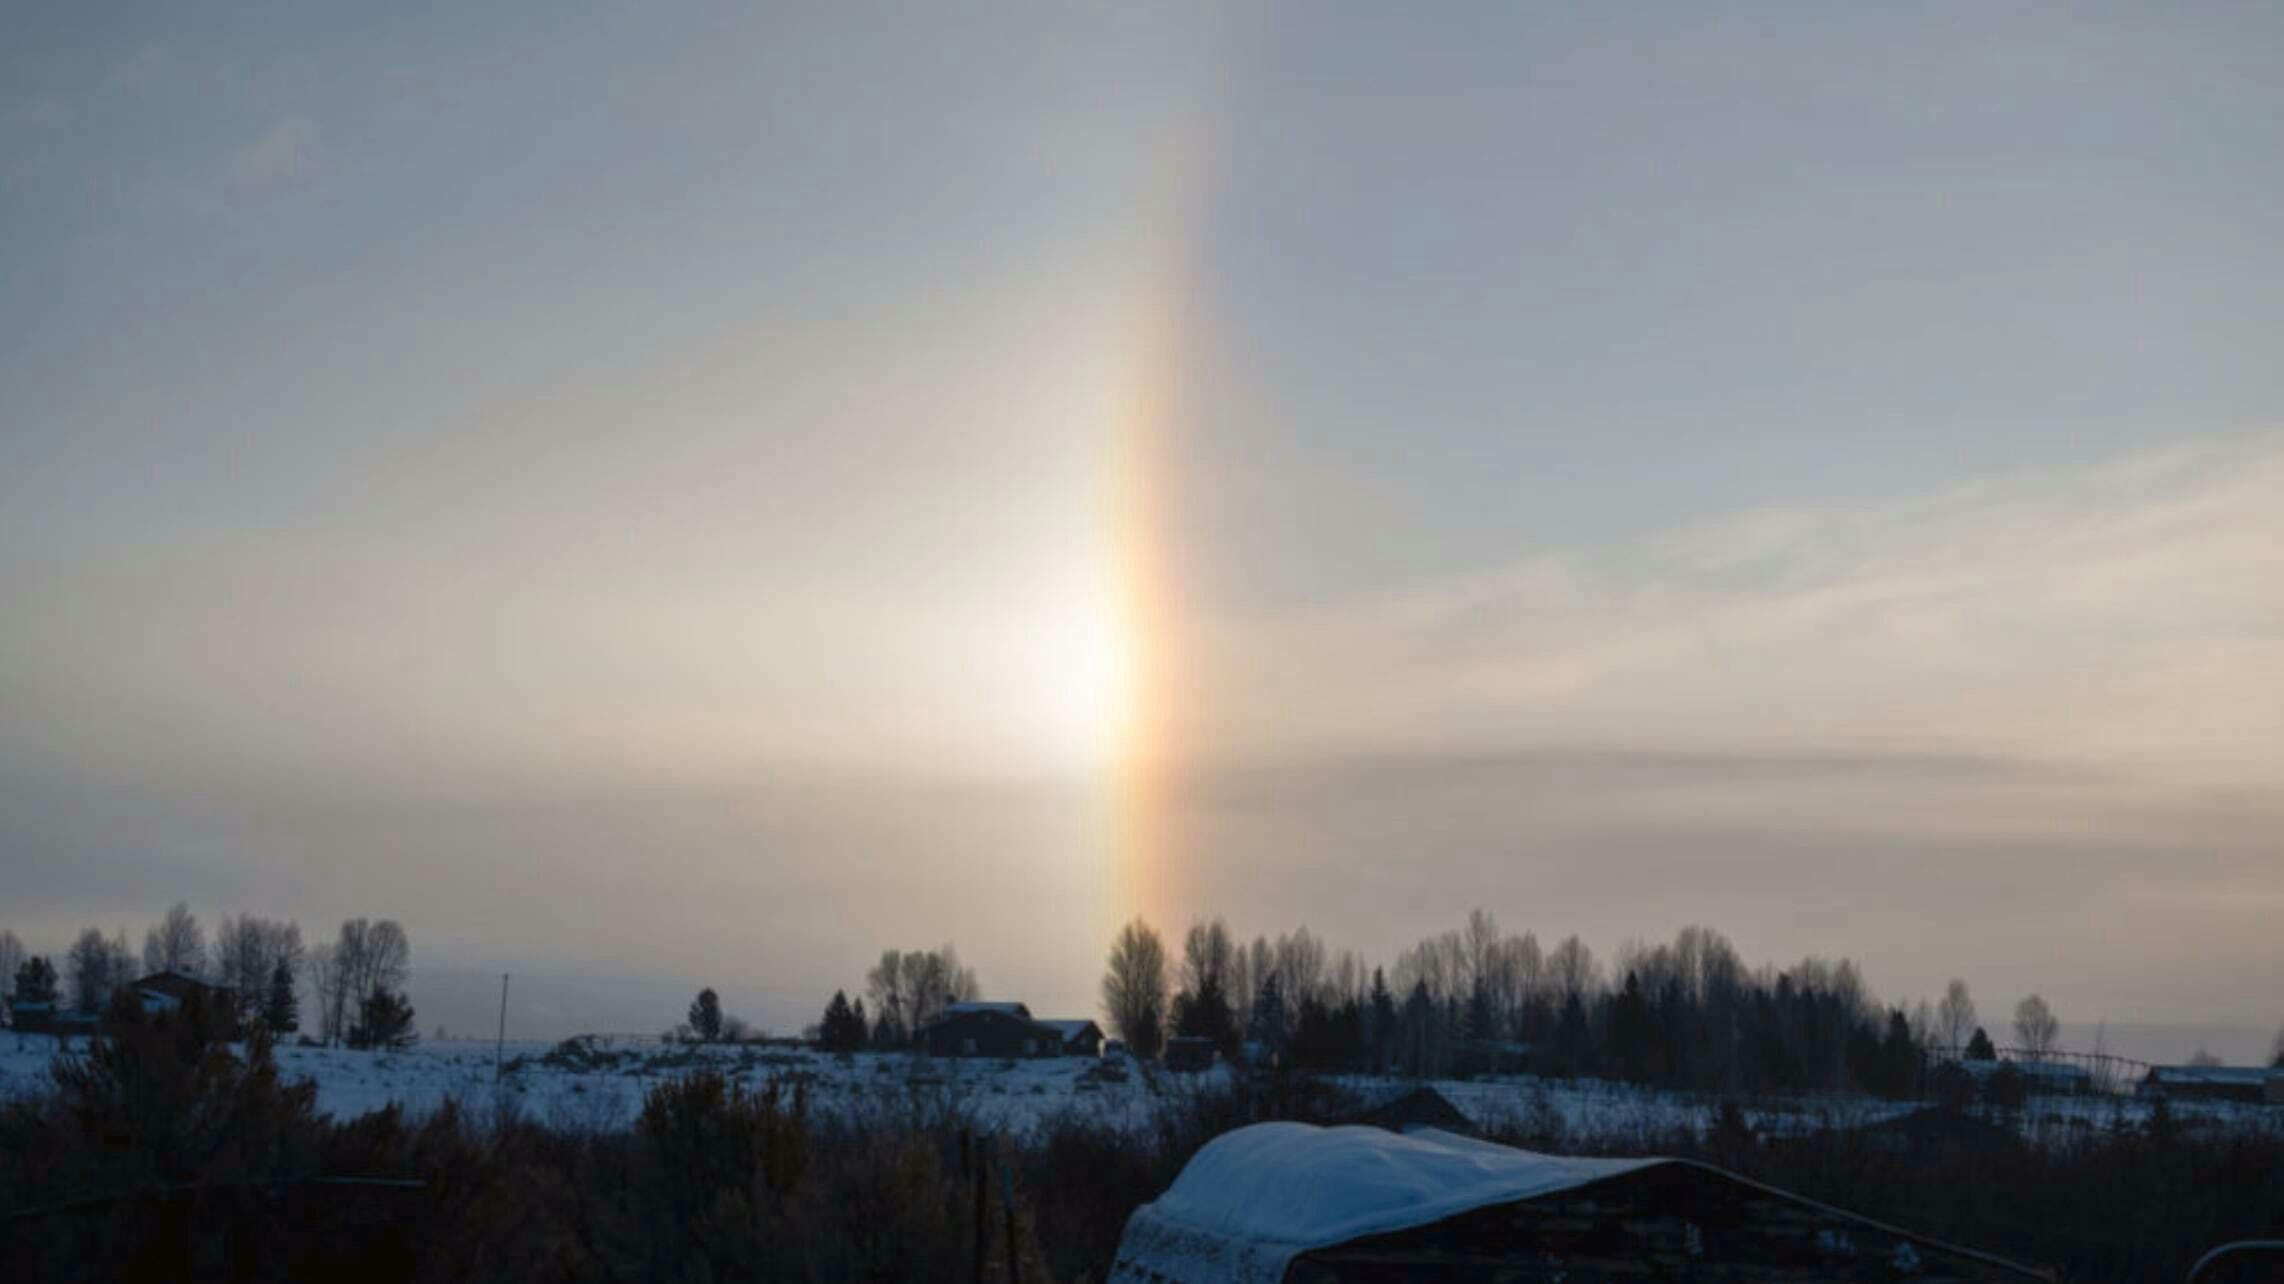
[(1687, 1013), (355, 982)]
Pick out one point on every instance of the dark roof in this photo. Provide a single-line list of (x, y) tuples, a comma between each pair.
[(1422, 1107)]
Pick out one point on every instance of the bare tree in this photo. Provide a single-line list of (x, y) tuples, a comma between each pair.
[(1955, 1016), (2276, 1049), (2203, 1057), (367, 956), (1209, 955), (1572, 971), (248, 952), (910, 989), (1134, 988), (11, 958), (176, 944), (325, 988), (1299, 964), (2035, 1027), (97, 966)]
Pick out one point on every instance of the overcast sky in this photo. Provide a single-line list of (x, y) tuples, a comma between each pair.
[(645, 494)]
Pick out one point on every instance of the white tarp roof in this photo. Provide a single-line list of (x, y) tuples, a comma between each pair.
[(1252, 1200)]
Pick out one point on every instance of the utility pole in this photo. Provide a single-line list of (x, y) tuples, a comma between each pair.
[(500, 1047)]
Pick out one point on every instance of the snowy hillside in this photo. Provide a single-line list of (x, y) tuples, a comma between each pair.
[(599, 1083)]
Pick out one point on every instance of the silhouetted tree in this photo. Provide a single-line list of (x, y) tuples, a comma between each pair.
[(35, 981), (1954, 1016), (11, 958), (281, 1008), (1207, 1015), (2035, 1027), (98, 966), (1380, 1020), (842, 1029), (247, 954), (1979, 1047), (384, 1021), (706, 1015), (1134, 988), (176, 944)]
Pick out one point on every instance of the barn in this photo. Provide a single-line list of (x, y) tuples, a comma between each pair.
[(2211, 1083), (1300, 1204)]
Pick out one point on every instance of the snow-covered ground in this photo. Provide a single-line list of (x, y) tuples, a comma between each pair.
[(602, 1082)]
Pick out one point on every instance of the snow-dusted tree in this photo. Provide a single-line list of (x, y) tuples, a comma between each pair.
[(97, 966), (2035, 1027), (1134, 988), (1954, 1016), (176, 944)]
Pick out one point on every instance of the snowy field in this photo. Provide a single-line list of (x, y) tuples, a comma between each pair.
[(599, 1083)]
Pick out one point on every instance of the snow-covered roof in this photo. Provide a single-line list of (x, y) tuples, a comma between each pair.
[(1253, 1199), (2027, 1069), (1069, 1029), (2236, 1075)]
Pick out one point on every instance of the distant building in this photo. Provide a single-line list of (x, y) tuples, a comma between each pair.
[(1006, 1030), (2051, 1078), (2254, 1084), (50, 1018), (167, 991), (1188, 1053), (1080, 1038)]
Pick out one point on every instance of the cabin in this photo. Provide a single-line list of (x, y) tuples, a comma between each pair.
[(168, 991), (1187, 1053), (1291, 1203), (2255, 1085), (1007, 1030)]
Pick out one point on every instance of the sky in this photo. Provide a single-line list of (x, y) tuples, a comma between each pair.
[(674, 494)]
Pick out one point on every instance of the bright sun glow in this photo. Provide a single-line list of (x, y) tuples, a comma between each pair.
[(1083, 664)]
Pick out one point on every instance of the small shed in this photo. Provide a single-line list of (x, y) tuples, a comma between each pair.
[(1298, 1204)]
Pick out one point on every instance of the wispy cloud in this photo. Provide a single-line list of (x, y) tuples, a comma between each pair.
[(281, 157), (2130, 613)]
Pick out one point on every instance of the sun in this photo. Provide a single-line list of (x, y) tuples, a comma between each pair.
[(1083, 668)]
